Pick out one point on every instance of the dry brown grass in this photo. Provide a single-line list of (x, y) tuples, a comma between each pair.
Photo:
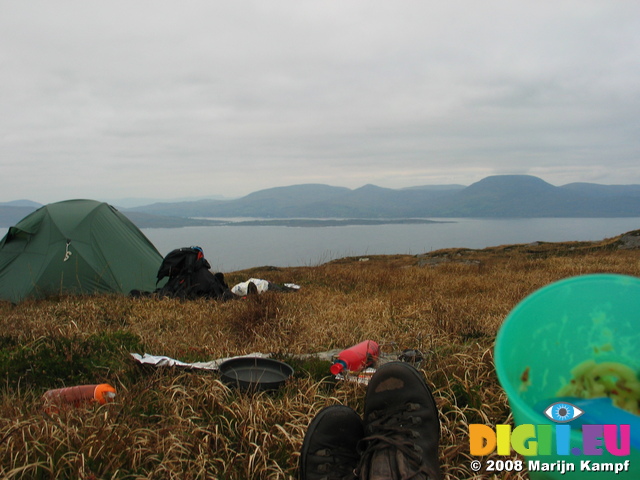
[(172, 423)]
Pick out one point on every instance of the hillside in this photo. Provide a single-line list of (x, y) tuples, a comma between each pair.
[(179, 423), (496, 196), (526, 196)]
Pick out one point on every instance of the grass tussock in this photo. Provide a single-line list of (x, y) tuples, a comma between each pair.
[(172, 423)]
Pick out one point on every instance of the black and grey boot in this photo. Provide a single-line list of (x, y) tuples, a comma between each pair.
[(329, 449), (402, 429)]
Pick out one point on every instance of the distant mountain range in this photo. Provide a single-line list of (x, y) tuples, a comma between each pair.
[(495, 196), (501, 196)]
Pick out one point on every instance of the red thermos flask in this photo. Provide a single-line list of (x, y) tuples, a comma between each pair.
[(357, 357)]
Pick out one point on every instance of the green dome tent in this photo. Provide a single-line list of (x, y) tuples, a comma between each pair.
[(75, 246)]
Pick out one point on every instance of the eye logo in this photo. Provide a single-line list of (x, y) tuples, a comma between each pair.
[(562, 412)]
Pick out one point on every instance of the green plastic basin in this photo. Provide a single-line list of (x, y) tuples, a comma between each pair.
[(550, 332)]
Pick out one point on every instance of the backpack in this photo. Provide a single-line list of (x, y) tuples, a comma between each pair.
[(190, 277)]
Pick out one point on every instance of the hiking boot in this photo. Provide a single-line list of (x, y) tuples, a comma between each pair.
[(329, 450), (402, 429)]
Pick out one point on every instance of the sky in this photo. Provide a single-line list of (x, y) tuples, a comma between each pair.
[(173, 99)]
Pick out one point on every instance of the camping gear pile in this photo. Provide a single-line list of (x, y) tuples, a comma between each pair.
[(190, 276)]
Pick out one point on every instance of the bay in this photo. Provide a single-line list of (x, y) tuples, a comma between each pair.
[(230, 248)]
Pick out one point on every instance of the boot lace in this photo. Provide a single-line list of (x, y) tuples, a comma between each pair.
[(393, 431), (339, 465)]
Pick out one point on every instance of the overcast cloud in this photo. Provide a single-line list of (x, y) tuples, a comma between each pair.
[(170, 99)]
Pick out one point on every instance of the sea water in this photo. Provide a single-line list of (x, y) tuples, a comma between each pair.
[(232, 248)]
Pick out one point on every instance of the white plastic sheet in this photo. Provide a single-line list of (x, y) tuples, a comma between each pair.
[(162, 361)]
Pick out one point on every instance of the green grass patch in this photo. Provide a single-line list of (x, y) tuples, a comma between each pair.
[(51, 362)]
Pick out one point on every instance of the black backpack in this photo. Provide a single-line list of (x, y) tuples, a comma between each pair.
[(190, 277)]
